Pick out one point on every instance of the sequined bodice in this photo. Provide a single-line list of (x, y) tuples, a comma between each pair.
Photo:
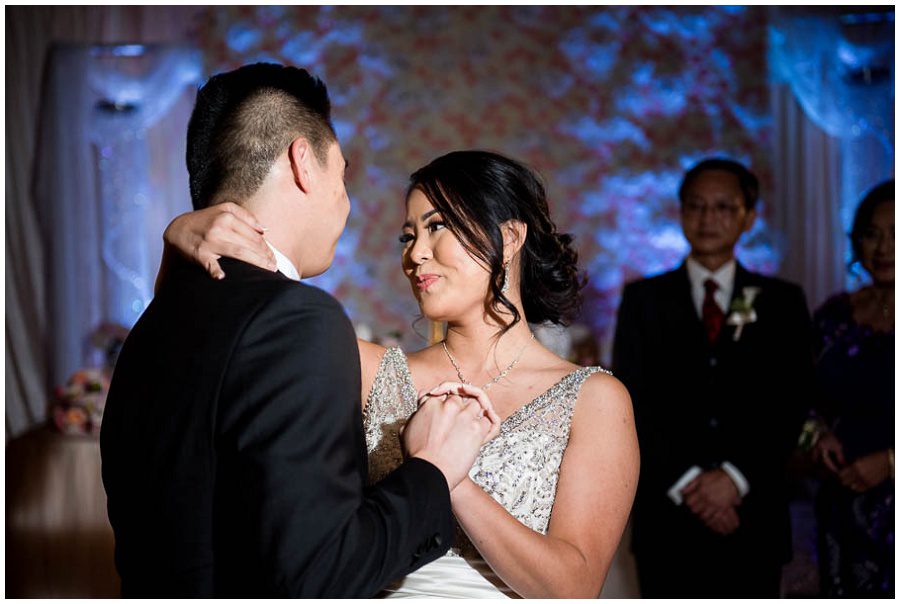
[(519, 468)]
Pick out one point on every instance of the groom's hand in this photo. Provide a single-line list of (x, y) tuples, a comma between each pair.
[(468, 391), (448, 430)]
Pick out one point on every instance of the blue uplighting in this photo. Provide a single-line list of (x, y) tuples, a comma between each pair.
[(241, 37)]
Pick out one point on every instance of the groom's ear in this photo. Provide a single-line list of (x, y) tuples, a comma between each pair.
[(300, 155)]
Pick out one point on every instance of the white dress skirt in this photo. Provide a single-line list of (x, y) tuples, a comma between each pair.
[(450, 577)]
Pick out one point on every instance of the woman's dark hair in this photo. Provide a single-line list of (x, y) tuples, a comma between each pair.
[(476, 192), (863, 218)]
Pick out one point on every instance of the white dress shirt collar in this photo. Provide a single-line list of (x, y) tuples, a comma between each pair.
[(724, 278), (285, 266)]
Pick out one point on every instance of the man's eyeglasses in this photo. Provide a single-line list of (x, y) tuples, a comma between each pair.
[(720, 211)]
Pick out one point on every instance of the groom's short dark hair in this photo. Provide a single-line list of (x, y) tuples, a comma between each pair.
[(244, 119)]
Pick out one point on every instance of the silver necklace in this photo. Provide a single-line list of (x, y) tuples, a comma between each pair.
[(493, 381)]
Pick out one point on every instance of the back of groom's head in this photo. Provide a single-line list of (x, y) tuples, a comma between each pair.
[(244, 119)]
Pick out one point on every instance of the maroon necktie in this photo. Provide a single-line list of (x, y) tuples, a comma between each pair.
[(712, 314)]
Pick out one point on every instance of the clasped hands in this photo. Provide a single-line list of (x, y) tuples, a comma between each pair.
[(862, 474), (453, 421), (713, 497)]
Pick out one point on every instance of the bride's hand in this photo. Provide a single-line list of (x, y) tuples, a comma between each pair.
[(468, 391), (225, 229)]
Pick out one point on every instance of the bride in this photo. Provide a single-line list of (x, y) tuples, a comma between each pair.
[(546, 502)]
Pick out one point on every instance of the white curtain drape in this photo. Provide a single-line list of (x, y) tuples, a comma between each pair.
[(833, 110), (134, 87), (806, 199), (30, 32), (100, 214)]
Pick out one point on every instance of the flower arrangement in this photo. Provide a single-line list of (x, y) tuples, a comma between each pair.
[(741, 312), (78, 406)]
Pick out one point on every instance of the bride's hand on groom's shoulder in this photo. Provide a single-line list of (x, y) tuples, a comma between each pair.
[(225, 229)]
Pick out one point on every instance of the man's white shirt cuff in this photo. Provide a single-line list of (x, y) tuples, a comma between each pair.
[(675, 491), (740, 481)]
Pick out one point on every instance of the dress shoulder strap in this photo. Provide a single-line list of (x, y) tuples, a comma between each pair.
[(391, 400), (552, 410), (391, 380)]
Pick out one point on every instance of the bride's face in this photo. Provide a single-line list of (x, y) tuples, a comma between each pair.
[(446, 280)]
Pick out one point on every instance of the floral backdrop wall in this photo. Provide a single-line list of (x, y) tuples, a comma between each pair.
[(609, 104)]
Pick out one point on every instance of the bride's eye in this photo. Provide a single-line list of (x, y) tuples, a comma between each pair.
[(434, 225), (405, 238)]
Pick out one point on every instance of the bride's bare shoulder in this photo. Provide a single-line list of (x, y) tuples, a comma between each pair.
[(604, 405), (425, 366), (369, 351)]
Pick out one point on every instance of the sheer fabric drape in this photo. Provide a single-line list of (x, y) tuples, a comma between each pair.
[(833, 109), (33, 351), (807, 199), (99, 206)]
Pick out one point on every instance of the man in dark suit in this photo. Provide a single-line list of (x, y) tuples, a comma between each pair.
[(718, 361), (233, 453)]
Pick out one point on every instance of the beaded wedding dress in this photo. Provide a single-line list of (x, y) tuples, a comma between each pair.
[(519, 469)]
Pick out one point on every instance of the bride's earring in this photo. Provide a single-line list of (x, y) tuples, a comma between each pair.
[(505, 287)]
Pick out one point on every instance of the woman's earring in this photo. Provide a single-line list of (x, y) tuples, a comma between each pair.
[(505, 287)]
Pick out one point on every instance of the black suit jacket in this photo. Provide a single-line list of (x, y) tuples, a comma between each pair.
[(233, 453), (695, 404)]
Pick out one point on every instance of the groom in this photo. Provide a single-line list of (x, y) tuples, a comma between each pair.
[(233, 454)]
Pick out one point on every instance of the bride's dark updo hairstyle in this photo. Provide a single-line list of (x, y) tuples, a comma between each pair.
[(476, 192)]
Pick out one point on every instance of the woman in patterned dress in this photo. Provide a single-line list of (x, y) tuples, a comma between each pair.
[(546, 503), (855, 447)]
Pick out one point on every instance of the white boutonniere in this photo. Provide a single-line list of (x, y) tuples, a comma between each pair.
[(741, 312)]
